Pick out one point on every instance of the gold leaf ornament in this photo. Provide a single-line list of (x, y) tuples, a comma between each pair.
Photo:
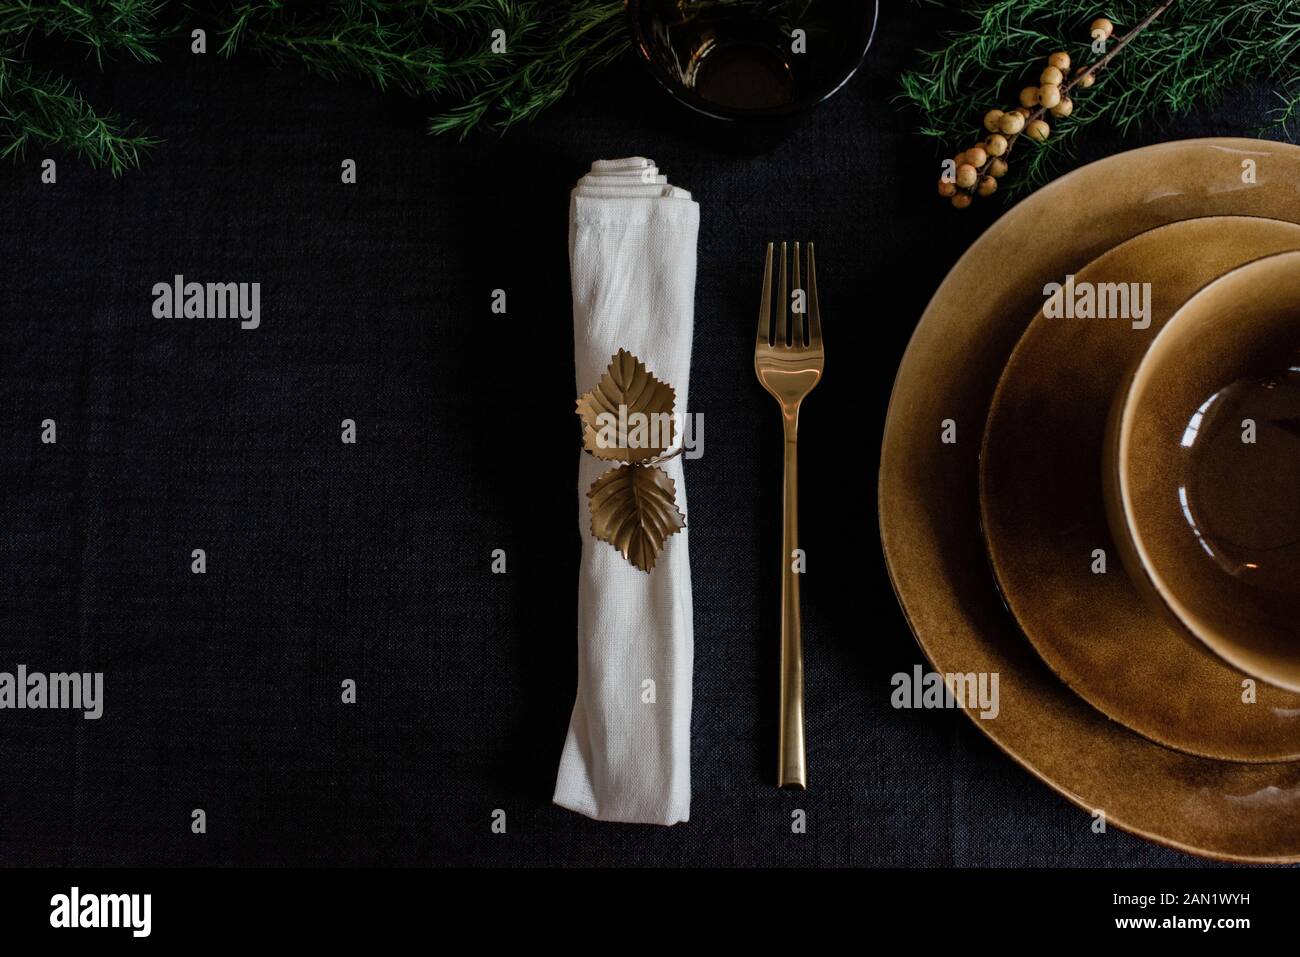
[(635, 510), (628, 416)]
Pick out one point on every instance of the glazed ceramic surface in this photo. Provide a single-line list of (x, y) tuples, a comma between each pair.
[(928, 502), (1208, 452), (1044, 516)]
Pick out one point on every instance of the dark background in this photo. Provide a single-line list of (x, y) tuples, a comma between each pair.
[(372, 561)]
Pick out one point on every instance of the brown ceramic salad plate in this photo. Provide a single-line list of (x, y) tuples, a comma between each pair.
[(1045, 518)]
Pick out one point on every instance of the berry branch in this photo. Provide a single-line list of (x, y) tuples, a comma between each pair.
[(977, 170)]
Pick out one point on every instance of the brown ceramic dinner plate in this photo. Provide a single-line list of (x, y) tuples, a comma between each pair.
[(1043, 509), (929, 508)]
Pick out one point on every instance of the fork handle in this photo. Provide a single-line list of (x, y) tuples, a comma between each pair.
[(792, 770)]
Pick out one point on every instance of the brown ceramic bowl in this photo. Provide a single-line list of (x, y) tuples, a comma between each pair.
[(1203, 475)]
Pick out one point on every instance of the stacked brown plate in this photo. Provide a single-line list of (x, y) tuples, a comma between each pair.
[(1142, 637)]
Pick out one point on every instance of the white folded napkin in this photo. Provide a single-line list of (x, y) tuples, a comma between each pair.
[(632, 244)]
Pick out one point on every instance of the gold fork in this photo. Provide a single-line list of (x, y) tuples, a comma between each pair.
[(788, 362)]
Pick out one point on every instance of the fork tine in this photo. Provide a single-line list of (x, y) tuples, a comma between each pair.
[(796, 315), (814, 310), (782, 295), (765, 305)]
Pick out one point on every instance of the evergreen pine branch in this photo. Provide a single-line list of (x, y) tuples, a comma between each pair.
[(40, 107), (1288, 110), (45, 109), (443, 49), (407, 45), (131, 26), (591, 36)]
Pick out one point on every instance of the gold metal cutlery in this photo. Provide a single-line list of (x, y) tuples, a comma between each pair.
[(788, 359)]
